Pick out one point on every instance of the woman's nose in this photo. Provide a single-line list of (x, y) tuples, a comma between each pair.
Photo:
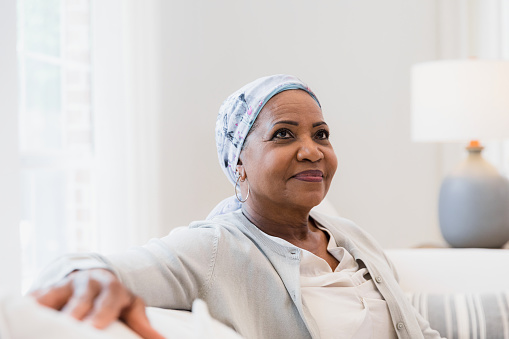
[(309, 150)]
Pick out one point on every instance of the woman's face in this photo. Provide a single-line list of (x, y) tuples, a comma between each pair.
[(287, 158)]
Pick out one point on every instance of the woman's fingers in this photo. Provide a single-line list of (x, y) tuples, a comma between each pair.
[(122, 304), (84, 297), (135, 317), (109, 304), (54, 297)]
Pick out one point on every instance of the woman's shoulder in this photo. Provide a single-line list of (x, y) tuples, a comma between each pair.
[(208, 229)]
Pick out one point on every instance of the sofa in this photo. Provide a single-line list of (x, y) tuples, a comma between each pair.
[(464, 293), (23, 318)]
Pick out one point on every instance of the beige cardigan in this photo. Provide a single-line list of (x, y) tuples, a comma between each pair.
[(249, 282)]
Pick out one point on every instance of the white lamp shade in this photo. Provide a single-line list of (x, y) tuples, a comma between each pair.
[(457, 101)]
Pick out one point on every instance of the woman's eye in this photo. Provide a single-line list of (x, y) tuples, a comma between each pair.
[(322, 134), (282, 134)]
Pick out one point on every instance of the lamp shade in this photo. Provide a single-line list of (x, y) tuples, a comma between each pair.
[(457, 101)]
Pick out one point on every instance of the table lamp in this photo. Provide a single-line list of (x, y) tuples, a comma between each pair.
[(462, 101)]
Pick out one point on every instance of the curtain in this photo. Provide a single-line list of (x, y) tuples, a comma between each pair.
[(127, 86), (10, 259), (479, 29)]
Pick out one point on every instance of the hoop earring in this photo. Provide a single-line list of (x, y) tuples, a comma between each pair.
[(237, 193)]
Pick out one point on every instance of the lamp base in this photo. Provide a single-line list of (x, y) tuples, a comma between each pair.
[(474, 204)]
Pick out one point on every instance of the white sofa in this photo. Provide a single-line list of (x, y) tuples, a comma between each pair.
[(464, 293), (44, 323)]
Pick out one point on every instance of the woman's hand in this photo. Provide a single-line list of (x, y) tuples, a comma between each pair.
[(97, 296)]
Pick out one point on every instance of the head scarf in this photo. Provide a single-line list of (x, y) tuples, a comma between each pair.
[(236, 117)]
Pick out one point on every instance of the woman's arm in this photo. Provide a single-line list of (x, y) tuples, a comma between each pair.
[(168, 272)]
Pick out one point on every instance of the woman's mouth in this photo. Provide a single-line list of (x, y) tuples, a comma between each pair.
[(310, 176)]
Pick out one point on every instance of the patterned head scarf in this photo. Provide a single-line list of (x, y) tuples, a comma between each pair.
[(236, 117)]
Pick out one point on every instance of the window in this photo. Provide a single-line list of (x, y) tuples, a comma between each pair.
[(56, 134)]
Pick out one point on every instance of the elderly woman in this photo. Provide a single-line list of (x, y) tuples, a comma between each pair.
[(263, 261)]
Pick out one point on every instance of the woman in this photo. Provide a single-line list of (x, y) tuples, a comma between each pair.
[(265, 264)]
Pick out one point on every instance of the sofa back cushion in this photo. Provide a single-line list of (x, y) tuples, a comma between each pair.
[(451, 270), (465, 315)]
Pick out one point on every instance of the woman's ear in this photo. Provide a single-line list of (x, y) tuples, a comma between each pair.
[(241, 171)]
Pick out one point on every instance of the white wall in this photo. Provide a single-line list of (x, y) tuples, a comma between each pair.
[(10, 276), (355, 55)]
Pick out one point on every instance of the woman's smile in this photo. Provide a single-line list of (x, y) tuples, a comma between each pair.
[(309, 176)]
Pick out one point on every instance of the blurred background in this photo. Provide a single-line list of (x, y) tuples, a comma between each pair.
[(108, 108)]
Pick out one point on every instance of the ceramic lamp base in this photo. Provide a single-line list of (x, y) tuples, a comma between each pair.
[(474, 204)]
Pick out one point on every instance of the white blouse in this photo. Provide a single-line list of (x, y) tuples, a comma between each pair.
[(344, 303)]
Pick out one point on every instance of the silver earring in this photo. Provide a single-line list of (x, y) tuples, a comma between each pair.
[(237, 193)]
